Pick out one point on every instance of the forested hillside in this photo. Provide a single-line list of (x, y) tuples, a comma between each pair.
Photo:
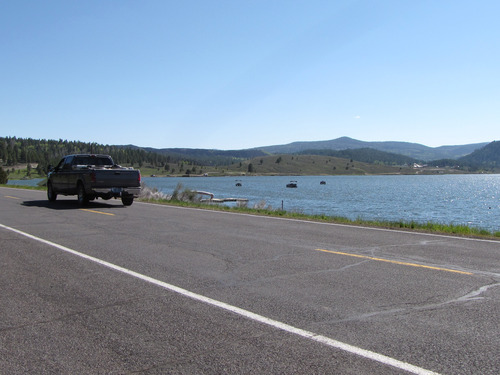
[(209, 157), (488, 156), (43, 152)]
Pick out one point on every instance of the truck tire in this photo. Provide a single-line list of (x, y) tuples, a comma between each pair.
[(83, 199), (51, 195), (127, 200)]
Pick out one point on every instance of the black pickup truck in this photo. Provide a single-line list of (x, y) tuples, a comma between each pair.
[(91, 176)]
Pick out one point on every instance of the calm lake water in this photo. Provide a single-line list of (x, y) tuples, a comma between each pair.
[(472, 200)]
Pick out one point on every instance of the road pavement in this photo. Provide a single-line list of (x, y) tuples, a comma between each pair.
[(154, 289)]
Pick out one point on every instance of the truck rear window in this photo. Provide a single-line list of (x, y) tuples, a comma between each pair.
[(93, 160)]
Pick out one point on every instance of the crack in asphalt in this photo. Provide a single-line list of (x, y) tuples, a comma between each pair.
[(474, 295)]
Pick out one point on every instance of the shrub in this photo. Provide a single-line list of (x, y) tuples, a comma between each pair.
[(3, 176)]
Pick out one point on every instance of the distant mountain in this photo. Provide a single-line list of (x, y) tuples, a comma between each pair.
[(413, 150), (487, 156), (388, 153), (342, 143), (208, 157)]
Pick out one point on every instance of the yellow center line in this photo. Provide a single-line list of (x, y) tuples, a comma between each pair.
[(11, 197), (96, 212), (395, 262)]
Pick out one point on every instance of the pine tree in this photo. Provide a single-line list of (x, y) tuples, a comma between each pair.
[(3, 176)]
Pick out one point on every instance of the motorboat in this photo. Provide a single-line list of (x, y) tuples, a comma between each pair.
[(292, 184)]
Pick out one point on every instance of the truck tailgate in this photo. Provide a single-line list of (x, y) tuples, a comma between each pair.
[(105, 178)]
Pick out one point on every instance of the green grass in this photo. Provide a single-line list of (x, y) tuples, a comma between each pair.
[(20, 174), (24, 187), (428, 227)]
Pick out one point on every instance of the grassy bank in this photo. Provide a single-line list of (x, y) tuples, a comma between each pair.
[(26, 187), (185, 199), (428, 227)]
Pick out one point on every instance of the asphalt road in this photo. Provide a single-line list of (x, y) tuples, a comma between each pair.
[(153, 289)]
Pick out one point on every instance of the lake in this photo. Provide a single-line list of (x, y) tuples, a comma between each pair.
[(472, 200)]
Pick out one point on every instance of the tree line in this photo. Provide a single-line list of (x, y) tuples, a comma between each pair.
[(14, 151)]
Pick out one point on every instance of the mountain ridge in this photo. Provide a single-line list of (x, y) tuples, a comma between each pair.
[(335, 147), (487, 156), (413, 150)]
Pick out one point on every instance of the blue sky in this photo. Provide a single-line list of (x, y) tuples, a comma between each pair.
[(247, 73)]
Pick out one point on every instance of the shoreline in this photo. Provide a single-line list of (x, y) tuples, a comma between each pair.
[(427, 227)]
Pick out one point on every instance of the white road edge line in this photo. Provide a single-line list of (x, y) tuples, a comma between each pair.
[(244, 313), (312, 222)]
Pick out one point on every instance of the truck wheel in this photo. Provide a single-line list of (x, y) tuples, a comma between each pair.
[(83, 199), (51, 195), (127, 200)]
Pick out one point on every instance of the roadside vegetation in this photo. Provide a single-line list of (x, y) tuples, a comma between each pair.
[(186, 198), (3, 176)]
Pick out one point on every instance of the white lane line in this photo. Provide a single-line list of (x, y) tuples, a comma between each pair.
[(244, 313)]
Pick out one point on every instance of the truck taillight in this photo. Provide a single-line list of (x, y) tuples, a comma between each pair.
[(93, 177), (139, 177)]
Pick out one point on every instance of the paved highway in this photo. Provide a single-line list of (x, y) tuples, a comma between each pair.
[(153, 289)]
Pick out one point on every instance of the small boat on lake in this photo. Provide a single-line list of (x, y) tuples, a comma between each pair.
[(238, 182), (292, 184), (322, 183)]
